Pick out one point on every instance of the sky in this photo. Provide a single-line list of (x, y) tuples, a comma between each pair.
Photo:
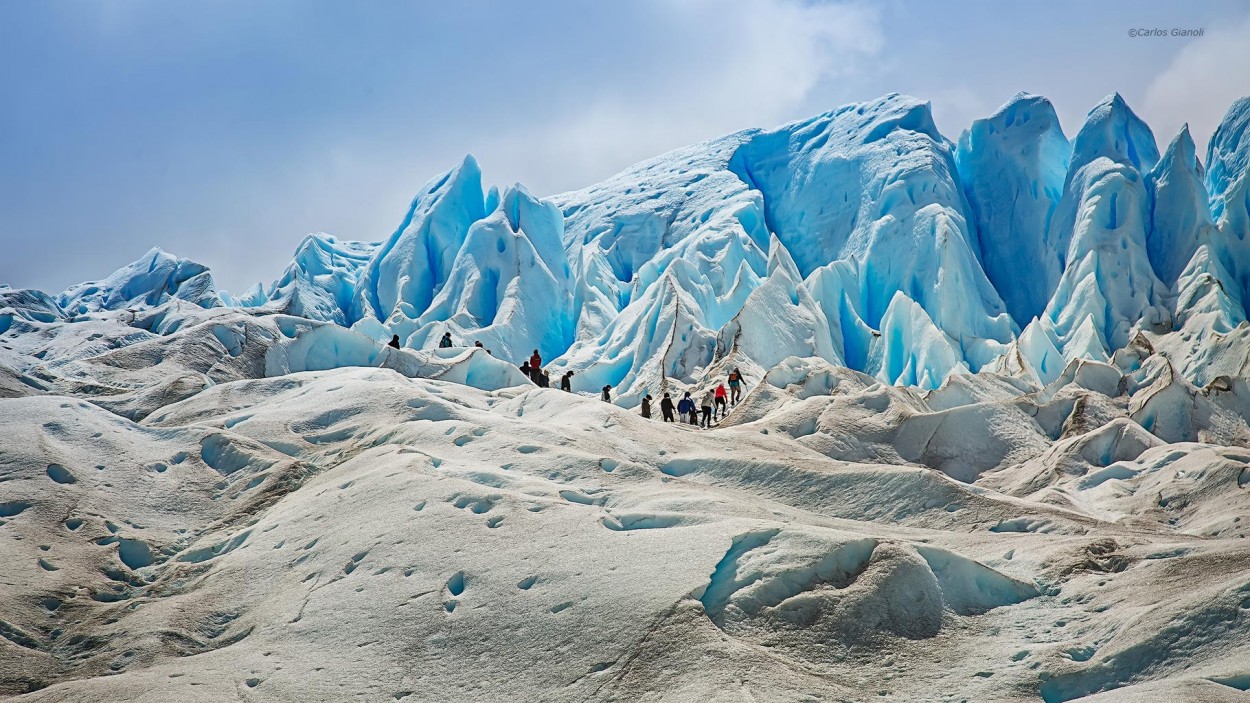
[(225, 130)]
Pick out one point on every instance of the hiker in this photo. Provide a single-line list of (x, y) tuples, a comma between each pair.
[(525, 369), (706, 407), (566, 382), (646, 406), (536, 365), (685, 406), (544, 380), (478, 344), (394, 341), (735, 386), (666, 408), (607, 394), (722, 405), (445, 342)]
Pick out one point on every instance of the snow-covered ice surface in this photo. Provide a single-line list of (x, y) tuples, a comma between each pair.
[(994, 445)]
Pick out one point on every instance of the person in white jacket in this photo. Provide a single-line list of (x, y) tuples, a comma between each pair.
[(709, 398)]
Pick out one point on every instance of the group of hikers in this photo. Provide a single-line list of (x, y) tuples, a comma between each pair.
[(713, 404), (712, 407)]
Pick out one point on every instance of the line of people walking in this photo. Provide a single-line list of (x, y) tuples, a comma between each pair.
[(713, 405), (712, 408)]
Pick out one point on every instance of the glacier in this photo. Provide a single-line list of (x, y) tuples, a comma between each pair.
[(994, 445), (901, 254)]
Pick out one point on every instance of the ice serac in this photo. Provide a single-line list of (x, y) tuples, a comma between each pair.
[(27, 304), (835, 288), (875, 183), (663, 255), (622, 235), (1228, 183), (780, 318), (253, 297), (411, 266), (1035, 354), (154, 279), (509, 286), (1012, 165), (1179, 216), (1205, 290), (321, 281), (1108, 284), (658, 337), (914, 352)]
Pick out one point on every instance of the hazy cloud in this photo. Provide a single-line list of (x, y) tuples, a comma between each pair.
[(226, 131), (734, 64), (1200, 84)]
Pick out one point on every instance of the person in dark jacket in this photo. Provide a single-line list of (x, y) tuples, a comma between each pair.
[(646, 406), (525, 369), (607, 394), (394, 341), (566, 382), (544, 380), (445, 342), (666, 408)]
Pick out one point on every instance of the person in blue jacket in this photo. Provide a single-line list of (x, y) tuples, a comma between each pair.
[(685, 407)]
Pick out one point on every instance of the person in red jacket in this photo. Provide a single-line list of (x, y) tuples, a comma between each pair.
[(722, 402), (536, 367)]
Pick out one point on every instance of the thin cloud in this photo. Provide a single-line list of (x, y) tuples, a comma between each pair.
[(743, 63), (1200, 84)]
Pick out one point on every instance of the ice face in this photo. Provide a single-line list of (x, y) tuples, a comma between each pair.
[(285, 501), (1228, 183), (1180, 219), (509, 285), (1013, 164), (861, 237), (876, 184), (1103, 217), (320, 283), (410, 267)]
